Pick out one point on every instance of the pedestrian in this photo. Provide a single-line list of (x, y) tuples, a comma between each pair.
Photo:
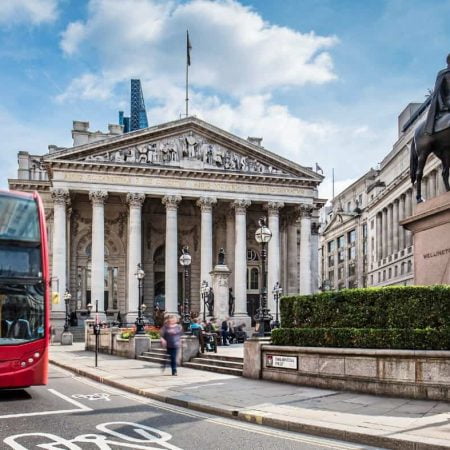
[(170, 339), (224, 332)]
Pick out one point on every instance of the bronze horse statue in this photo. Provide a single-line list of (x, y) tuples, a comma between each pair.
[(422, 146)]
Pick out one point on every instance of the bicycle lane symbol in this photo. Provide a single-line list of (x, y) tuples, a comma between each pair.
[(148, 438)]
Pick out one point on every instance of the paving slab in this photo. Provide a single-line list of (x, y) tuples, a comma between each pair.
[(367, 419)]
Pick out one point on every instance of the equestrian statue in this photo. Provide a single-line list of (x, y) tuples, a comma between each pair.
[(433, 135)]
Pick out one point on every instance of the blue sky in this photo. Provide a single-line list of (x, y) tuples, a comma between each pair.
[(320, 80)]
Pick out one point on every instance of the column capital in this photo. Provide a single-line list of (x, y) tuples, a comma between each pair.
[(171, 201), (206, 203), (240, 205), (273, 208), (305, 210), (135, 199), (60, 196), (98, 197)]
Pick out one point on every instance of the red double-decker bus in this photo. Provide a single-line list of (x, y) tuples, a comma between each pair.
[(24, 291)]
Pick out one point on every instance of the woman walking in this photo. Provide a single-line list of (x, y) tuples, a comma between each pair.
[(170, 338)]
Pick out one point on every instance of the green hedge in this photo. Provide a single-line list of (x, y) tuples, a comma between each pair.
[(419, 307), (393, 338)]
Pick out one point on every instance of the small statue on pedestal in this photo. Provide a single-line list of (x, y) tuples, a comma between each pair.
[(231, 303), (210, 302), (221, 259)]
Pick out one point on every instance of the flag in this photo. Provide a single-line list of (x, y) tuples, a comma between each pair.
[(318, 168), (188, 48)]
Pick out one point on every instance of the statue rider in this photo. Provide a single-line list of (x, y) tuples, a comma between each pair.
[(440, 100)]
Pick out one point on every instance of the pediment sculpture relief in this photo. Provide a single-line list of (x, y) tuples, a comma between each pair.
[(188, 150)]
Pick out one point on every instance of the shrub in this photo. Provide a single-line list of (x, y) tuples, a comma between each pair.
[(418, 307), (391, 338)]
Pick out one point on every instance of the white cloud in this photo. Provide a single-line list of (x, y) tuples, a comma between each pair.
[(234, 50), (28, 11), (87, 87)]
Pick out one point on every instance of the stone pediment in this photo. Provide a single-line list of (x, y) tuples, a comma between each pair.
[(189, 144), (338, 219)]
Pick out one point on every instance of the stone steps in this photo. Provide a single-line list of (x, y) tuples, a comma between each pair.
[(230, 365), (77, 333), (155, 355), (211, 368)]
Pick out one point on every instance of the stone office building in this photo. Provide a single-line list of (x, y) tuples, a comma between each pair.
[(116, 200), (362, 243)]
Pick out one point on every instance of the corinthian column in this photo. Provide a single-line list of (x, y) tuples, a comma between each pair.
[(240, 255), (171, 266), (273, 260), (292, 253), (60, 201), (98, 248), (206, 205), (305, 248), (135, 201)]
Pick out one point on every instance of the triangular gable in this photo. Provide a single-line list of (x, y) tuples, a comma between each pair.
[(186, 143), (338, 219)]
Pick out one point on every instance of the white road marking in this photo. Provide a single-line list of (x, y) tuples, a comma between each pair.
[(80, 408), (92, 397), (148, 436)]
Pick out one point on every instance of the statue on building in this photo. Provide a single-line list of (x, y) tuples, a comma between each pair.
[(231, 303)]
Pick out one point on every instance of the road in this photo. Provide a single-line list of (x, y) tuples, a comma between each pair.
[(74, 413)]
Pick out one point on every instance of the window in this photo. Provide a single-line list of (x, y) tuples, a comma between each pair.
[(352, 284), (360, 198), (331, 261), (331, 277), (384, 275), (364, 230), (395, 271), (340, 273), (340, 241), (349, 206), (351, 270), (390, 273), (379, 277), (402, 268), (409, 266), (371, 279), (254, 278), (352, 253), (340, 256), (331, 246), (372, 224), (351, 236)]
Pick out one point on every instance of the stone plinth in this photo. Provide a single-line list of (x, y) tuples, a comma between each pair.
[(220, 283), (430, 226), (66, 338)]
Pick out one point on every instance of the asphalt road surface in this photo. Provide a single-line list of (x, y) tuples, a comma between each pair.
[(74, 413)]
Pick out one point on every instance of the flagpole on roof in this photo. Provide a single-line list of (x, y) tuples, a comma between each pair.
[(188, 63)]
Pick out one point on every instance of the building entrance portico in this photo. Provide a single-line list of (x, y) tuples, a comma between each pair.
[(108, 213)]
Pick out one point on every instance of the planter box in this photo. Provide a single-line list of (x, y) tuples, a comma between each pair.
[(403, 373)]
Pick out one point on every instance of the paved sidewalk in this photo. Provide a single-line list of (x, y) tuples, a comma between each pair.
[(368, 419)]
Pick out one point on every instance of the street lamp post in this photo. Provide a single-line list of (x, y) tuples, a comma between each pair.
[(140, 274), (185, 261), (277, 291), (204, 291), (263, 236), (67, 298)]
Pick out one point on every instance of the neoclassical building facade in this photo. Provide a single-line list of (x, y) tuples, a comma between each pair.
[(116, 200), (362, 242)]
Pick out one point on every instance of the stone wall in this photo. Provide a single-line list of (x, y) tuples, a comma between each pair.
[(403, 373)]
